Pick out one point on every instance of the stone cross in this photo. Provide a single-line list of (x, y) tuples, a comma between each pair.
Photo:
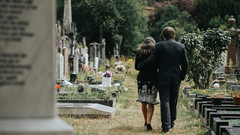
[(27, 69), (93, 50), (116, 53), (67, 16)]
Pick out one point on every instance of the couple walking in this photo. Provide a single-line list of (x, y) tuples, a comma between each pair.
[(162, 67)]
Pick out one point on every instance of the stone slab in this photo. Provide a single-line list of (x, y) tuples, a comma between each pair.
[(81, 109), (109, 102), (232, 131), (48, 126), (27, 56)]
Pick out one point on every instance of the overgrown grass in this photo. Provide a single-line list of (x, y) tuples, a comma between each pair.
[(128, 119)]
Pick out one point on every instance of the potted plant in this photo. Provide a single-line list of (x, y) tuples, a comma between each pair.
[(236, 97), (106, 78)]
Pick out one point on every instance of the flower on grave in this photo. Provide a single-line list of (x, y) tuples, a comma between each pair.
[(235, 82), (120, 67), (107, 74), (85, 67), (107, 66)]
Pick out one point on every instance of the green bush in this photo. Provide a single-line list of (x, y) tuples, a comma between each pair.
[(204, 51)]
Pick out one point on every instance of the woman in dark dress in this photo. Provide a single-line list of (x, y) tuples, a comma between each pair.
[(147, 81)]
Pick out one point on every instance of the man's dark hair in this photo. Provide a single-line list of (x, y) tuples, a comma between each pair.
[(168, 32)]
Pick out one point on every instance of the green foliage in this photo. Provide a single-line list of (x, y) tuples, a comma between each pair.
[(121, 21), (184, 5), (211, 13), (204, 51), (234, 122), (59, 9), (172, 16)]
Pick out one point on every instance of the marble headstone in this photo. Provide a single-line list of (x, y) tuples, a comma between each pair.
[(27, 68)]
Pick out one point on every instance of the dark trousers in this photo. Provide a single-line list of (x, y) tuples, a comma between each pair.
[(168, 97)]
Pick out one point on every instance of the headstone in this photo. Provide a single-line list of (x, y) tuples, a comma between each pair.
[(116, 53), (84, 52), (94, 47), (91, 64), (86, 59), (27, 66), (76, 60), (65, 55), (91, 51), (96, 63), (61, 63), (67, 17), (103, 49), (59, 66), (85, 109)]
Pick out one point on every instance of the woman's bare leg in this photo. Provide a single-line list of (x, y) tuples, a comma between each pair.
[(144, 111), (150, 111)]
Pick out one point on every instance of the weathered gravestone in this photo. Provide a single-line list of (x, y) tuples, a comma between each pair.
[(27, 69)]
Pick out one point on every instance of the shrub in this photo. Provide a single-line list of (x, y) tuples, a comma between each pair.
[(204, 51)]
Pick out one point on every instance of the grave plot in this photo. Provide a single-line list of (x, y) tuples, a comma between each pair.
[(90, 102), (210, 109), (224, 118), (100, 90), (85, 110), (218, 111)]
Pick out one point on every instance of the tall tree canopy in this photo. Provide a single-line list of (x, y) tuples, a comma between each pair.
[(170, 15), (213, 13), (123, 22)]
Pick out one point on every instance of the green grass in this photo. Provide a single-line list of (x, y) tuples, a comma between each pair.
[(128, 119)]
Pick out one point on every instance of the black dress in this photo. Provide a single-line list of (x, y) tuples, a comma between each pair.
[(147, 82)]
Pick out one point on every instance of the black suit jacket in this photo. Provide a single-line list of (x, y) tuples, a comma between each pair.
[(171, 59)]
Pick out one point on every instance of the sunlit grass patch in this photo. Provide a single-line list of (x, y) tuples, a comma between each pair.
[(128, 118)]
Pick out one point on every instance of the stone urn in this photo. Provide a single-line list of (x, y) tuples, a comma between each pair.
[(231, 21)]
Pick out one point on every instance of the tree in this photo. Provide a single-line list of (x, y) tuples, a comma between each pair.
[(159, 7), (172, 16), (184, 5), (204, 53), (206, 10), (120, 20)]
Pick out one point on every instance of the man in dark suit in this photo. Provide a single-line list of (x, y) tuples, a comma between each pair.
[(171, 60)]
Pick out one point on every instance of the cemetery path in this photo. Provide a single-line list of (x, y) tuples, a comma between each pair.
[(128, 119)]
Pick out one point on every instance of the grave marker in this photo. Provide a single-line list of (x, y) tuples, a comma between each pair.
[(27, 69)]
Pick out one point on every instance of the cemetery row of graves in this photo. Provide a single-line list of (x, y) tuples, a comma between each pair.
[(219, 106), (93, 94)]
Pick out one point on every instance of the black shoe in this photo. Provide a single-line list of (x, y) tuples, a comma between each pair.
[(172, 125), (145, 124), (149, 127), (165, 129)]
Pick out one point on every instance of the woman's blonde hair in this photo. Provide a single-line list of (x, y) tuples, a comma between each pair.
[(147, 46)]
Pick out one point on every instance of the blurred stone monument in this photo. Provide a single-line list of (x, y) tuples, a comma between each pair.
[(231, 52), (27, 69)]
